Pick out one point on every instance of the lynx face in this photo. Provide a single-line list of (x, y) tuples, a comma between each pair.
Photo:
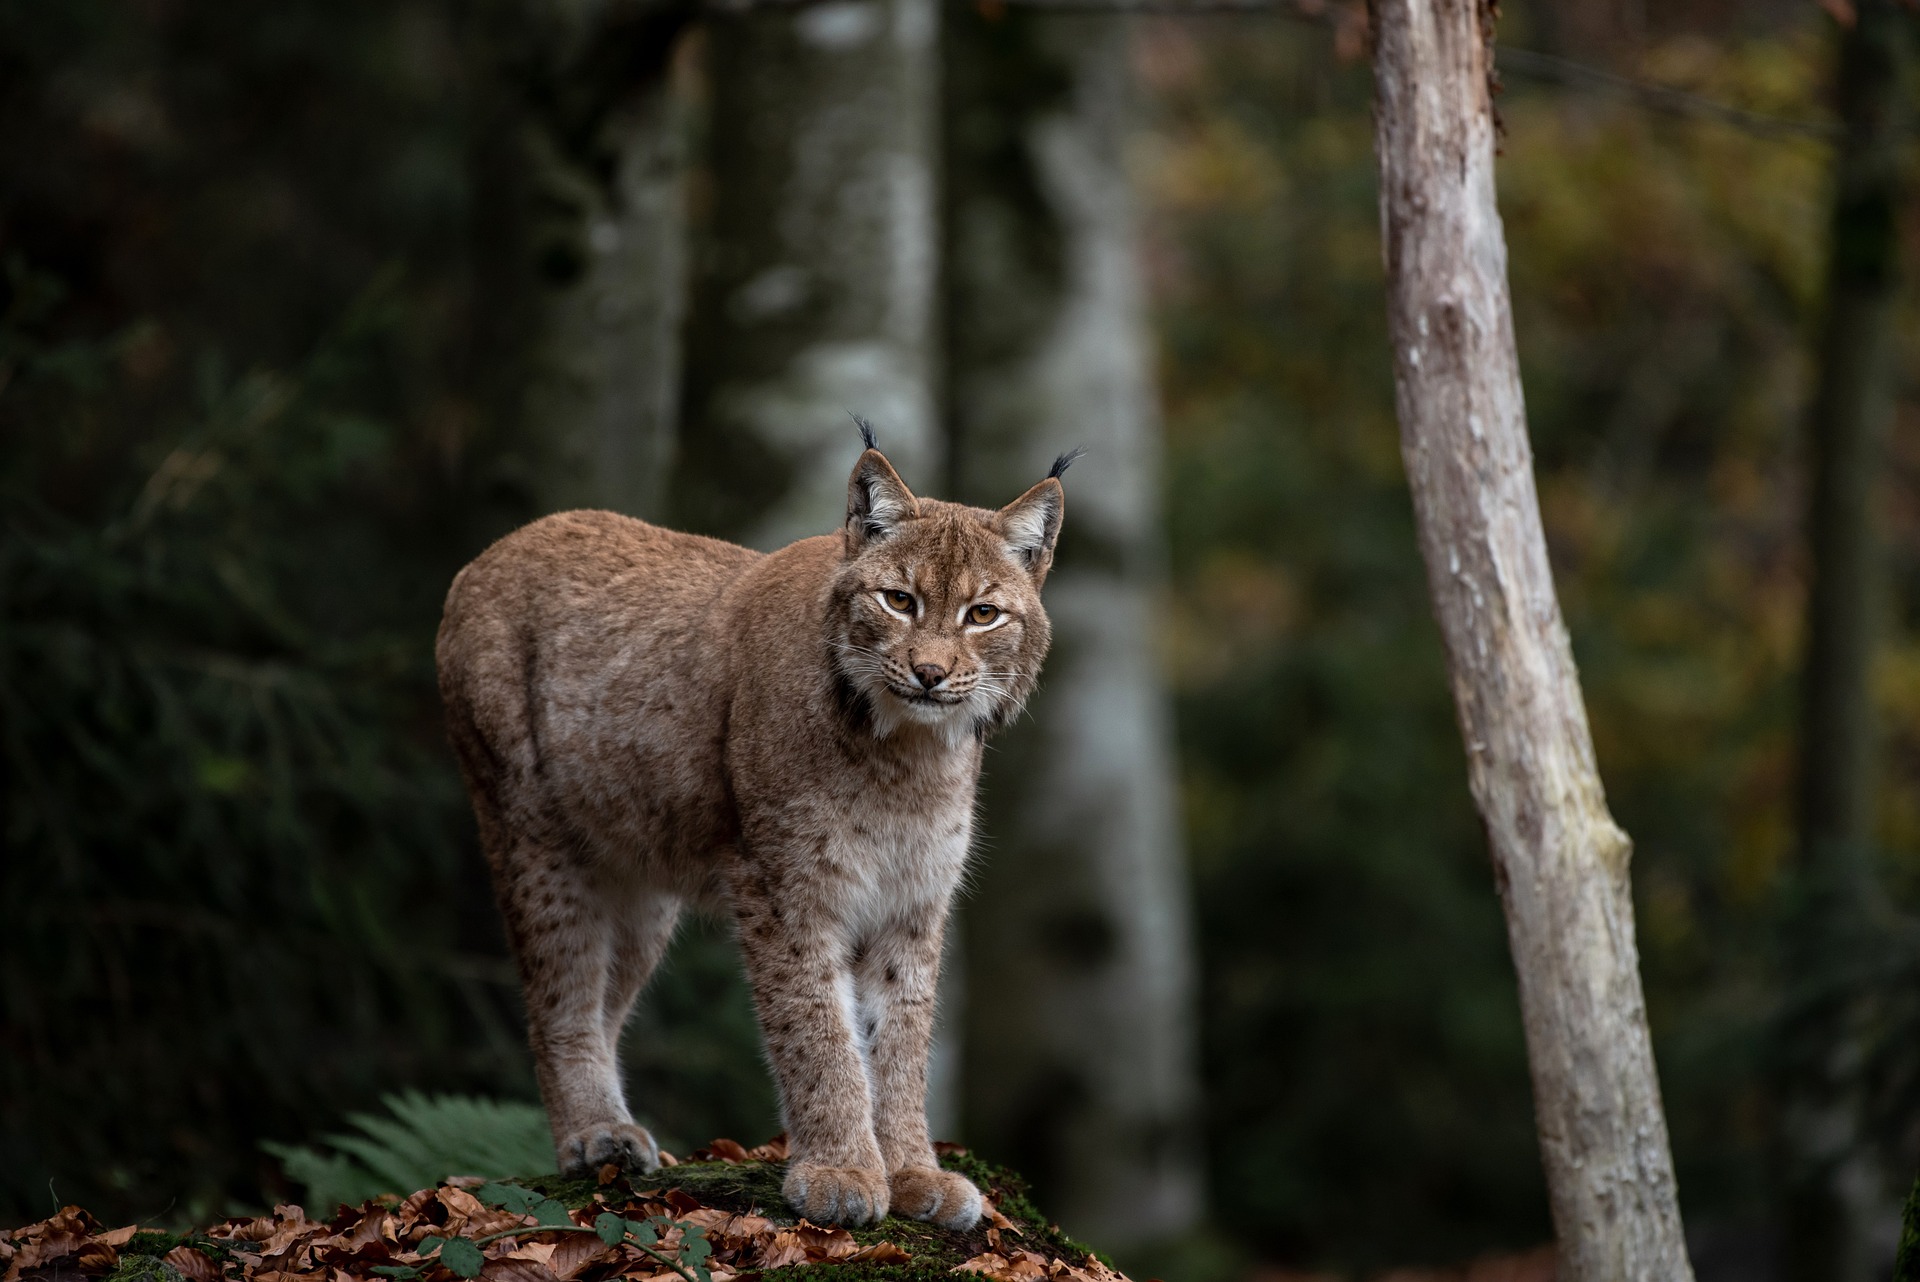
[(937, 618)]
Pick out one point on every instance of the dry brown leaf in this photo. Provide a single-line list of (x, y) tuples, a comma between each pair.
[(508, 1268), (375, 1226), (774, 1150), (1023, 1266), (43, 1249), (824, 1242), (992, 1215), (96, 1257), (1100, 1272), (728, 1150), (783, 1250), (194, 1264), (462, 1208), (880, 1253), (117, 1238), (540, 1253), (575, 1253)]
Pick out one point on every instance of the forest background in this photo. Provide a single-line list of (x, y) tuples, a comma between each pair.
[(251, 423)]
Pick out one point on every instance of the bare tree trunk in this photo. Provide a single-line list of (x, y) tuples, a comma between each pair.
[(1560, 863), (1833, 1193), (814, 293), (585, 167), (1080, 1041)]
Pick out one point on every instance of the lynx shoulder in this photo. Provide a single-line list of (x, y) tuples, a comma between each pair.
[(648, 720)]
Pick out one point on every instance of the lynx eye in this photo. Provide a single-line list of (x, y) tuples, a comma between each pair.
[(982, 614), (897, 600)]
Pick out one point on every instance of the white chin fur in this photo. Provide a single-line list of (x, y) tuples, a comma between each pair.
[(952, 722)]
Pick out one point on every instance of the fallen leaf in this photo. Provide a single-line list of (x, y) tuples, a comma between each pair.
[(194, 1264), (508, 1268), (774, 1150), (575, 1253), (879, 1253), (1024, 1266), (96, 1257)]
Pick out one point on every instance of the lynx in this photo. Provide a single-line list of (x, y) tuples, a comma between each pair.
[(649, 721)]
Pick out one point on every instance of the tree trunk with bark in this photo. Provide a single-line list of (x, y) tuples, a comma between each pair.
[(1560, 863), (582, 197), (814, 291), (1833, 1196), (1080, 1055)]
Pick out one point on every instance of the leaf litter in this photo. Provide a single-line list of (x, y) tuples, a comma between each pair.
[(666, 1228)]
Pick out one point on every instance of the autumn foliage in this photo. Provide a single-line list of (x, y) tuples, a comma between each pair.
[(679, 1225)]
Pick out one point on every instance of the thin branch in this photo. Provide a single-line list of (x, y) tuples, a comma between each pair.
[(1544, 67), (1656, 97)]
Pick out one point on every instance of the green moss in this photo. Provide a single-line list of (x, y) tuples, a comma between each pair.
[(756, 1188), (1012, 1196), (140, 1258), (143, 1268), (150, 1244), (1906, 1267)]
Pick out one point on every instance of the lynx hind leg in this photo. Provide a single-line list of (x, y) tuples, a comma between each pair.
[(568, 942), (640, 943)]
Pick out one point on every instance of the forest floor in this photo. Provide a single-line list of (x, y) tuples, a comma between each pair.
[(717, 1217)]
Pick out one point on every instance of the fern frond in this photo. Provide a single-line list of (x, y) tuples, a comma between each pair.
[(426, 1139)]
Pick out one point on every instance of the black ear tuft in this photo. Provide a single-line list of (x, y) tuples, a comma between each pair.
[(877, 501), (1064, 462), (867, 437)]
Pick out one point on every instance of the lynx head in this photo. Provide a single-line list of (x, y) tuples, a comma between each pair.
[(936, 618)]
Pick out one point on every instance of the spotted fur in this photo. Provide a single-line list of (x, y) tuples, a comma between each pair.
[(648, 720)]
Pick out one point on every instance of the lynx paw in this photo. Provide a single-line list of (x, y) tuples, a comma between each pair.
[(848, 1195), (928, 1193), (626, 1145)]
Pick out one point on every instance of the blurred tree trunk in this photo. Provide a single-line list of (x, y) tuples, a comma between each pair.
[(814, 291), (1080, 1058), (1833, 1194), (582, 181), (1560, 863)]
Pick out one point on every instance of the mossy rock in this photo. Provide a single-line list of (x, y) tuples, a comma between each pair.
[(754, 1187), (362, 1243)]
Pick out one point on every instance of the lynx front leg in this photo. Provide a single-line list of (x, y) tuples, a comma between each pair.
[(567, 944), (796, 963), (896, 980)]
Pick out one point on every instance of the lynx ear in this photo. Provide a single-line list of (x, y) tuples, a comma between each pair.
[(877, 501), (1031, 523)]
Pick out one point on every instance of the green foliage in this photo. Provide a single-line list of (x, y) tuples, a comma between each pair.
[(1906, 1266), (222, 786), (1363, 1047), (426, 1139), (245, 443), (464, 1258)]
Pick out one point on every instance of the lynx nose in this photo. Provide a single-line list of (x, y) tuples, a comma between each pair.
[(929, 674)]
